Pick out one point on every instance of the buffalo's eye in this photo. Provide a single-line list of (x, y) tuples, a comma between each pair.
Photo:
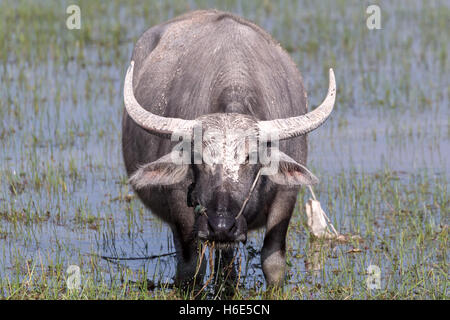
[(247, 159)]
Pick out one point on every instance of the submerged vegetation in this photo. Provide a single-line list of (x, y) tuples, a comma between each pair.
[(382, 157)]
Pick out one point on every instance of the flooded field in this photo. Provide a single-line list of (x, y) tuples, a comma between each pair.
[(382, 157)]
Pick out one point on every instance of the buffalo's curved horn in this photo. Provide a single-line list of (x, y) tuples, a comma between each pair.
[(153, 123), (281, 129)]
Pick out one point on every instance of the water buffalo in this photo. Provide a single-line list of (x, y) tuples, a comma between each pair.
[(225, 78)]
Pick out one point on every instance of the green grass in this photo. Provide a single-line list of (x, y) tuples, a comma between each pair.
[(382, 157)]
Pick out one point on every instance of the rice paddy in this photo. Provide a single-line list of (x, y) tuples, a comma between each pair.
[(382, 158)]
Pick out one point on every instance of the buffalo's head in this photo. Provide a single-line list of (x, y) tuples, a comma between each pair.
[(227, 155)]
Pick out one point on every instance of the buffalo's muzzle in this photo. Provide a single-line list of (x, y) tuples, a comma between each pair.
[(222, 229)]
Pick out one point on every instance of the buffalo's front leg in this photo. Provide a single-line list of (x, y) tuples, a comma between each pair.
[(273, 253), (191, 267)]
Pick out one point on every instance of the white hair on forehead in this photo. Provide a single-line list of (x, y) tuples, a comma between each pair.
[(227, 143)]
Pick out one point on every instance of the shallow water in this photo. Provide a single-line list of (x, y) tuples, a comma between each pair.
[(63, 191)]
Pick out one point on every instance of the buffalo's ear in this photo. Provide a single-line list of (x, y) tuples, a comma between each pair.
[(292, 173), (161, 172)]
